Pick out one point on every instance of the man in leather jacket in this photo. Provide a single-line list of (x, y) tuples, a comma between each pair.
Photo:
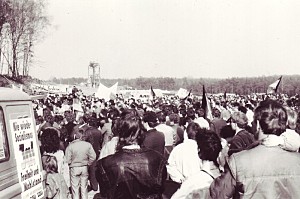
[(132, 172)]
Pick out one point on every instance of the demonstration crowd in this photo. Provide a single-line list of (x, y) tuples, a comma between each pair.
[(237, 147)]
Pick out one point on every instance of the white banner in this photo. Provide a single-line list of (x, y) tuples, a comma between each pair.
[(27, 158)]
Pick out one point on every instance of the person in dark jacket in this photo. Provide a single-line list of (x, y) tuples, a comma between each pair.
[(132, 172), (242, 138), (153, 139), (93, 136)]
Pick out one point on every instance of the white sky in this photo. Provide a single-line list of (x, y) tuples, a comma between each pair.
[(171, 38)]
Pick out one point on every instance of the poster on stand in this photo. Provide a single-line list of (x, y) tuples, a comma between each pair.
[(27, 158)]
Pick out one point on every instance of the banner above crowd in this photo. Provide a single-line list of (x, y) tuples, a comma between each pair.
[(106, 93)]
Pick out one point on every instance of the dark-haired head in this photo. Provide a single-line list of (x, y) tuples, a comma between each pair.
[(113, 114), (271, 116), (192, 130), (92, 121), (191, 113), (209, 145), (130, 128), (150, 117), (50, 140)]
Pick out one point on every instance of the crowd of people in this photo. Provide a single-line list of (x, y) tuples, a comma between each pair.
[(168, 148)]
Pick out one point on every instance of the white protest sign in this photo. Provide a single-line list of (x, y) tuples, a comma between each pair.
[(27, 158)]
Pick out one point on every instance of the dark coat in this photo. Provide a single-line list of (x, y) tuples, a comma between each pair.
[(132, 173)]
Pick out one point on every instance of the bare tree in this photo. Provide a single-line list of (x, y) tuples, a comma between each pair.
[(4, 11), (26, 20)]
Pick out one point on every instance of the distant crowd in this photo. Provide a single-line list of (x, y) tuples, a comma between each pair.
[(167, 147)]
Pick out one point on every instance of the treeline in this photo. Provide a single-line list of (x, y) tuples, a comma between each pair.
[(290, 84)]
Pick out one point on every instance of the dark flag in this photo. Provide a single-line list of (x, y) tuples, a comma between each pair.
[(188, 95), (152, 92), (272, 88), (206, 106)]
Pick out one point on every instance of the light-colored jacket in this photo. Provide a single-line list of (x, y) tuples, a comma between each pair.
[(80, 153), (261, 172), (197, 186)]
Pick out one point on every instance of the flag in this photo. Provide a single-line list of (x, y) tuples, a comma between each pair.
[(106, 93), (272, 88), (206, 106), (188, 95), (152, 92), (225, 95), (182, 93)]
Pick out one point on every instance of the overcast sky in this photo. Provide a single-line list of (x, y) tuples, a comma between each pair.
[(170, 38)]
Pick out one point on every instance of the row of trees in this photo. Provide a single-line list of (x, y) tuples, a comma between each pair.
[(244, 86), (22, 23)]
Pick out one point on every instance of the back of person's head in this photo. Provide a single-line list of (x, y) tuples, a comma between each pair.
[(182, 121), (271, 116), (182, 106), (235, 105), (46, 112), (69, 116), (174, 118), (58, 118), (94, 114), (161, 117), (93, 122), (216, 113), (86, 116), (175, 109), (103, 113), (113, 114), (150, 117), (183, 112), (50, 140), (191, 113), (192, 130), (196, 105), (209, 145), (130, 128), (249, 106), (49, 118), (40, 119), (224, 104), (167, 109), (240, 119), (243, 109), (49, 163), (227, 132)]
